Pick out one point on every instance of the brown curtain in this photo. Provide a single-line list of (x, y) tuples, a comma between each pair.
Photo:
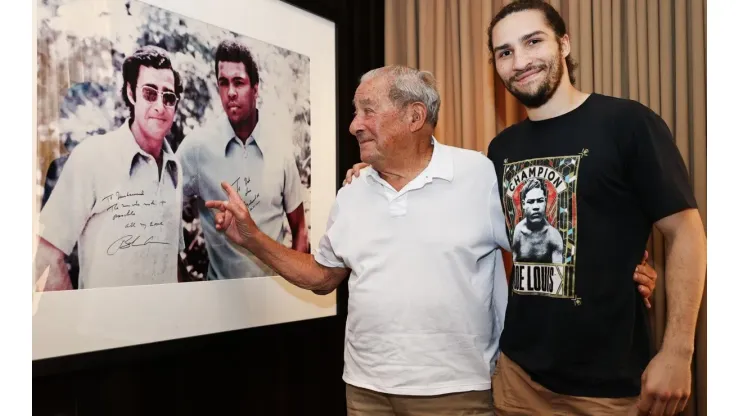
[(652, 51)]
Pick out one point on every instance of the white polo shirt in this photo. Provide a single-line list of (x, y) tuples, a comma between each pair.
[(261, 169), (124, 215), (427, 292)]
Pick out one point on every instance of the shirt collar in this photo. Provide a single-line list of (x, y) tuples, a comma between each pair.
[(440, 166), (136, 155), (228, 134)]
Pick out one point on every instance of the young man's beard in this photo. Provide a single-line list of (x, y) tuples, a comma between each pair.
[(544, 91)]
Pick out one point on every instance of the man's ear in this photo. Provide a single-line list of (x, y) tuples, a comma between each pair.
[(418, 115), (130, 93), (565, 45)]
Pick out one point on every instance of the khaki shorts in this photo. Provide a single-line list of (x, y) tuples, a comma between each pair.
[(514, 393), (363, 402)]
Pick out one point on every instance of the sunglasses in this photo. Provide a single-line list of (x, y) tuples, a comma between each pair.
[(150, 94)]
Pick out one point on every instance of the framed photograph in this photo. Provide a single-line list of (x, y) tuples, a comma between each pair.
[(144, 110)]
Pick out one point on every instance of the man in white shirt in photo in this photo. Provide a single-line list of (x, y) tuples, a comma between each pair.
[(242, 147), (119, 196)]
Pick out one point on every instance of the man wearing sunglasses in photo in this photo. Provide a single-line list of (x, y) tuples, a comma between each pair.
[(120, 194), (242, 147)]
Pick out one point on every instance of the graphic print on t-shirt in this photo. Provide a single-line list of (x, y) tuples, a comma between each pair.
[(539, 202)]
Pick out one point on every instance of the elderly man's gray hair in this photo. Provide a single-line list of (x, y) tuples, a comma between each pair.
[(409, 85)]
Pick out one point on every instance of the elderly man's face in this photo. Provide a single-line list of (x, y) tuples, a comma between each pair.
[(378, 124)]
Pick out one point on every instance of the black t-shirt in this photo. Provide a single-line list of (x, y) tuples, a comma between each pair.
[(580, 193)]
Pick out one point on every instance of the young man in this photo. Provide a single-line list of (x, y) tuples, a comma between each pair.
[(576, 337), (237, 148), (120, 194)]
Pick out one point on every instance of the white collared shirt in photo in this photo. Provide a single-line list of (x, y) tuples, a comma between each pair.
[(125, 217), (261, 169)]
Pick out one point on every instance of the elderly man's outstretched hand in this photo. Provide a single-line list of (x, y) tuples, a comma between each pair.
[(232, 216)]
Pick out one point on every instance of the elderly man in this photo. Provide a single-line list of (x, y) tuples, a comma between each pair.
[(420, 237)]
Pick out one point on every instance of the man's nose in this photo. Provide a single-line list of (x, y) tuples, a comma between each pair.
[(232, 91), (521, 60), (354, 126), (158, 104)]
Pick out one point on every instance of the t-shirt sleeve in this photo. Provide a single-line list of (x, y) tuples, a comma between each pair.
[(326, 255), (656, 168), (293, 195), (70, 204)]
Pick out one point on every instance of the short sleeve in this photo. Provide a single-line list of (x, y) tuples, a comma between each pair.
[(326, 254), (656, 169), (71, 202), (187, 154), (498, 222), (292, 192), (496, 215)]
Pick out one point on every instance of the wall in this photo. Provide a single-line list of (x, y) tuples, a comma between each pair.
[(288, 369)]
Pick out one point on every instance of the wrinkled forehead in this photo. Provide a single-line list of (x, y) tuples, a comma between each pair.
[(372, 91), (512, 28)]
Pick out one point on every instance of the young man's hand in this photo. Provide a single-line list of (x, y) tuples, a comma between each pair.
[(666, 384), (354, 172)]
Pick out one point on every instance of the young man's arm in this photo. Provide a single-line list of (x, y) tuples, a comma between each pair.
[(662, 186), (667, 380), (686, 262)]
